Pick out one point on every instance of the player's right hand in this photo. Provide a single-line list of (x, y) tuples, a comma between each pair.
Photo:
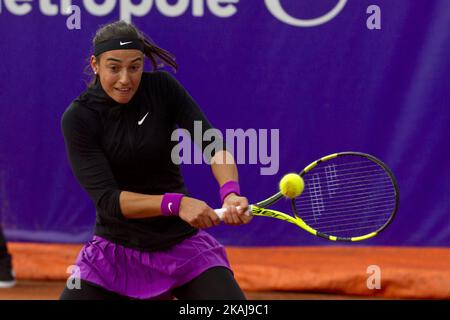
[(197, 213)]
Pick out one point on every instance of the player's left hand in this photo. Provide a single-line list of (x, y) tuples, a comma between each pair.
[(233, 216)]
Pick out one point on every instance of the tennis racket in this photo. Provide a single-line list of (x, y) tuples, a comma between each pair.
[(347, 196)]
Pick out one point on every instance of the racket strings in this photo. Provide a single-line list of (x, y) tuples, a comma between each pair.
[(351, 226), (368, 214), (333, 170), (346, 199), (357, 178), (348, 164), (356, 201), (369, 173), (335, 232), (353, 193), (354, 210)]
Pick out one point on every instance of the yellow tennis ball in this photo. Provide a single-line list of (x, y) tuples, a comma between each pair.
[(291, 185)]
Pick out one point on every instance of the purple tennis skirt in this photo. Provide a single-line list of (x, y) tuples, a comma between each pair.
[(146, 275)]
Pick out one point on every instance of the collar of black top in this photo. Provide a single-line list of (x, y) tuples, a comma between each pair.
[(118, 44)]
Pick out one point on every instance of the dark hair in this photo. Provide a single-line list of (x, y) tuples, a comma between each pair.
[(122, 29)]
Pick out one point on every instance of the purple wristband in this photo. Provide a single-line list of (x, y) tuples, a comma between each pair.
[(229, 187), (170, 204)]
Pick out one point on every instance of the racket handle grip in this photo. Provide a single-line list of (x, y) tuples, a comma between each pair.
[(221, 212)]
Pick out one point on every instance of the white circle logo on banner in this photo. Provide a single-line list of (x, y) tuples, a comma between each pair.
[(277, 10)]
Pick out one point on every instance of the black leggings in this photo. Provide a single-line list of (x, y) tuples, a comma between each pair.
[(216, 283), (3, 249)]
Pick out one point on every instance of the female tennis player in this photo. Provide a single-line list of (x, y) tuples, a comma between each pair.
[(148, 241)]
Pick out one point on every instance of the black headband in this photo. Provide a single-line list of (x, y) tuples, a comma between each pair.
[(118, 44)]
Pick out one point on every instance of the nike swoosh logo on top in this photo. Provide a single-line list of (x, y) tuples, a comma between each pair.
[(170, 207), (142, 120), (124, 43)]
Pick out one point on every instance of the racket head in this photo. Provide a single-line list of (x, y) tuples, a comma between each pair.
[(348, 196)]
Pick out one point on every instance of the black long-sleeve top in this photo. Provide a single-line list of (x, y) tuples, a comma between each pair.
[(110, 152)]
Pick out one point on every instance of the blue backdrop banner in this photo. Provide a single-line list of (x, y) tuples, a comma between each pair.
[(302, 79)]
